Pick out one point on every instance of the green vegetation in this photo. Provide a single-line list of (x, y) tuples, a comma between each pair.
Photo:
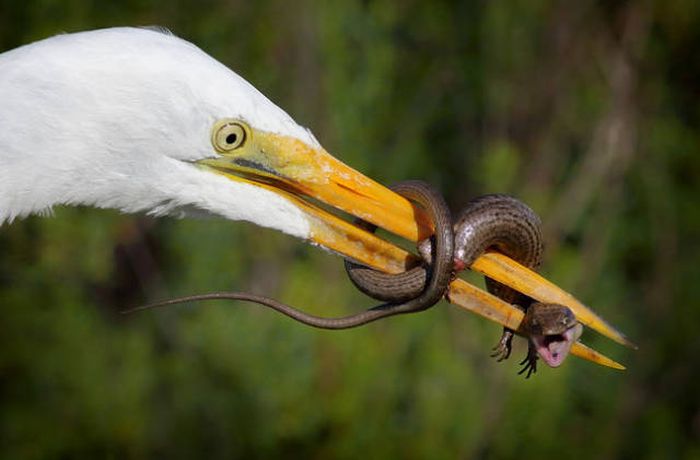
[(589, 111)]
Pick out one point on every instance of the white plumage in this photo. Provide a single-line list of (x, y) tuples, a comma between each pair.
[(114, 118)]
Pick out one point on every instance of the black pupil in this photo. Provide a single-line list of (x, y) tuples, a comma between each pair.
[(232, 138)]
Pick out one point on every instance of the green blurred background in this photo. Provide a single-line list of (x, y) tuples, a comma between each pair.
[(587, 110)]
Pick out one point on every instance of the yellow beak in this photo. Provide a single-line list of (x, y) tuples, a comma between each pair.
[(308, 176)]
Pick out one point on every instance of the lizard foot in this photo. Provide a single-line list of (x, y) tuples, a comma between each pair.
[(529, 363), (504, 346)]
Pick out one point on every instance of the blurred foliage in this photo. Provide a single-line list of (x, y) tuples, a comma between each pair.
[(587, 110)]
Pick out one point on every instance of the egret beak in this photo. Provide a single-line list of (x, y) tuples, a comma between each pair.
[(312, 179)]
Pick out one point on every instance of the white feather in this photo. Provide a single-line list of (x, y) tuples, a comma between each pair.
[(112, 118)]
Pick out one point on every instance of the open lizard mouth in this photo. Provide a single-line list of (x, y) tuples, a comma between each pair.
[(554, 348)]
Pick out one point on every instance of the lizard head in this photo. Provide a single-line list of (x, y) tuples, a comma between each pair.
[(552, 330)]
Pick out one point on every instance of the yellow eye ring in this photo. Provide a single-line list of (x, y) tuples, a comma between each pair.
[(228, 135)]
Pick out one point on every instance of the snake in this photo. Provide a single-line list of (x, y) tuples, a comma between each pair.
[(490, 222)]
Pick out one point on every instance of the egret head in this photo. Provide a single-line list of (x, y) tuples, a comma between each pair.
[(140, 120)]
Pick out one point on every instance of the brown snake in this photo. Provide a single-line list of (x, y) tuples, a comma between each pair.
[(489, 222)]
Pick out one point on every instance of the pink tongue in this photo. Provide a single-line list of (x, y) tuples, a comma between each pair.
[(554, 349)]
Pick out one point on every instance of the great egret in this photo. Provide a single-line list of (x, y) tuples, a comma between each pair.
[(142, 121)]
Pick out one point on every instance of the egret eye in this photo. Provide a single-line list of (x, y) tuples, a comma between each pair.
[(228, 135)]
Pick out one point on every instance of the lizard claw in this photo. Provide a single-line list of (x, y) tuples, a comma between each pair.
[(504, 346), (529, 363)]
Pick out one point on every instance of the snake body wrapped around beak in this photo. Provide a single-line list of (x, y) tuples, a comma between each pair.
[(490, 222)]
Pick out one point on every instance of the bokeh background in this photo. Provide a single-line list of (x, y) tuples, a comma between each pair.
[(587, 110)]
